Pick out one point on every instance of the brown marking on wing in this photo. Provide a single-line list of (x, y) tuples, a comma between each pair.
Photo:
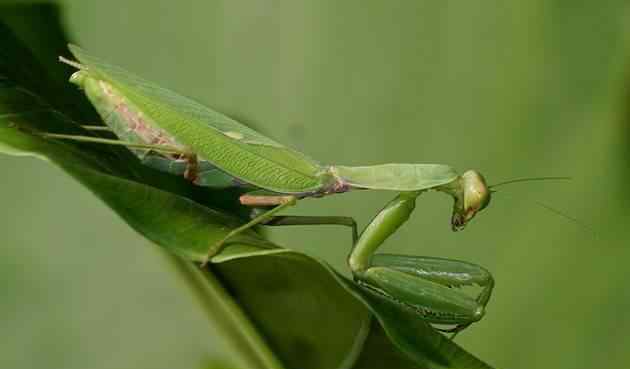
[(137, 124)]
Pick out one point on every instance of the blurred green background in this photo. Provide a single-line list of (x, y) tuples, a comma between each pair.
[(512, 89)]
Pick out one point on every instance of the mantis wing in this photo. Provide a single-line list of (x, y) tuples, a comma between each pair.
[(230, 146)]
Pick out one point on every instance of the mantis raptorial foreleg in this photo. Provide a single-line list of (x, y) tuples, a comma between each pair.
[(448, 273), (423, 284), (384, 224)]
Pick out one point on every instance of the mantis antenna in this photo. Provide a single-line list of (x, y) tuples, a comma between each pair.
[(566, 216), (529, 179), (542, 204)]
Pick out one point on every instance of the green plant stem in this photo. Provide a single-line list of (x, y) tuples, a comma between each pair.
[(226, 316)]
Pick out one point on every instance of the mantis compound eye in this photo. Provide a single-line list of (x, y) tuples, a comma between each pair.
[(475, 197)]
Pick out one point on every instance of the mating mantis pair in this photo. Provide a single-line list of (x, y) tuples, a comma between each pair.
[(172, 133)]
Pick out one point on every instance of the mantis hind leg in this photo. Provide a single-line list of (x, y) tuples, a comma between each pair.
[(108, 141), (191, 171), (446, 272), (192, 166), (96, 127)]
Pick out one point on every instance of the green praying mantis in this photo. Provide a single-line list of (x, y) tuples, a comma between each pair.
[(175, 134)]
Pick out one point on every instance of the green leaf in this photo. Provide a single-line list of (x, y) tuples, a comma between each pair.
[(277, 307)]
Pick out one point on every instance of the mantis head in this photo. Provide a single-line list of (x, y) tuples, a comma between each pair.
[(472, 197)]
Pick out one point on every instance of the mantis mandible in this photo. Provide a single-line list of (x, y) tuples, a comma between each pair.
[(178, 135)]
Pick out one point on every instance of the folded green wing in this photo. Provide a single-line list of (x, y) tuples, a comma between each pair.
[(227, 144)]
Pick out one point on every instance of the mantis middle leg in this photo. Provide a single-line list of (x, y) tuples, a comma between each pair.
[(270, 218), (290, 220), (281, 203)]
